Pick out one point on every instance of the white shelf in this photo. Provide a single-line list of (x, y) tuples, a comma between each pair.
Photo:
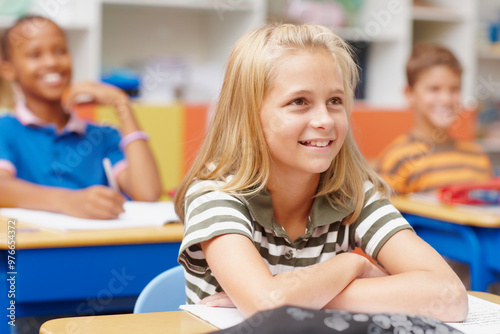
[(114, 32), (489, 56), (6, 21), (225, 6), (438, 14), (354, 34)]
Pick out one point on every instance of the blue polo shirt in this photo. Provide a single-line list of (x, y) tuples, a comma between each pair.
[(71, 158)]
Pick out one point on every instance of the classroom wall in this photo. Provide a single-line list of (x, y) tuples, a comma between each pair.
[(374, 128)]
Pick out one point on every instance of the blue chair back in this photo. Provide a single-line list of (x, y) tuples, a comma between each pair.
[(164, 293)]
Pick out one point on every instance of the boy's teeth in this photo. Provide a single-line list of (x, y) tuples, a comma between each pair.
[(52, 77)]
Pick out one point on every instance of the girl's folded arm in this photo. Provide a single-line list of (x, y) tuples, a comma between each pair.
[(420, 283), (244, 276)]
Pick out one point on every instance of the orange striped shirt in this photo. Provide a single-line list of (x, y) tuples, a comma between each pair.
[(414, 165)]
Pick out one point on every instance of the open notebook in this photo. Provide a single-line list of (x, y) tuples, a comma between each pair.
[(136, 214), (483, 318)]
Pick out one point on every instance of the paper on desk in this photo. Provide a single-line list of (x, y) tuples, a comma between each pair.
[(221, 317), (483, 318), (136, 214)]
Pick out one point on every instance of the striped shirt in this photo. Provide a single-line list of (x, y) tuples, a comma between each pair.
[(212, 213), (413, 165)]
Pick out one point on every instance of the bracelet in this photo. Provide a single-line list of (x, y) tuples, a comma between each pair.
[(133, 136)]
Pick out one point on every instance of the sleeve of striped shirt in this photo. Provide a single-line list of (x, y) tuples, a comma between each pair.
[(209, 214), (379, 220)]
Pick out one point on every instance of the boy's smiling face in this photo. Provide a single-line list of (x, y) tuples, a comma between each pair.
[(435, 97), (39, 60)]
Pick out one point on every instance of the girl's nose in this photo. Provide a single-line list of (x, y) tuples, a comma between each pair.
[(322, 119)]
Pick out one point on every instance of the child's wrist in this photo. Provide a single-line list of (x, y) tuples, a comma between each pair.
[(131, 137)]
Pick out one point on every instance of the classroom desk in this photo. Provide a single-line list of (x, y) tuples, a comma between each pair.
[(468, 235), (83, 272), (180, 322), (152, 323)]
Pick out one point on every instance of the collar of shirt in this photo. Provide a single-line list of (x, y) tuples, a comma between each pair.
[(27, 117), (322, 212)]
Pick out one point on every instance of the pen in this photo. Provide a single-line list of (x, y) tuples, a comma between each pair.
[(109, 174)]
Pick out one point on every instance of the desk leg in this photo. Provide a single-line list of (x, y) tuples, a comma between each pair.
[(457, 242)]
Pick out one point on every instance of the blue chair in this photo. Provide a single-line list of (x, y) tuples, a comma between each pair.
[(164, 293)]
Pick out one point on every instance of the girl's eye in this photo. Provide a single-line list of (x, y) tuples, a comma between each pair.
[(298, 102), (336, 100)]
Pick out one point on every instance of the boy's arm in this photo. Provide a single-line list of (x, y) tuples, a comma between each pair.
[(97, 202), (140, 180), (421, 282)]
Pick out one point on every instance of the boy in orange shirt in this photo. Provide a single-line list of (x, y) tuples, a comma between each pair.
[(427, 158)]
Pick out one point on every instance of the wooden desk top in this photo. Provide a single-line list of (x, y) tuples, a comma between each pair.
[(459, 214), (151, 323), (486, 296), (31, 236)]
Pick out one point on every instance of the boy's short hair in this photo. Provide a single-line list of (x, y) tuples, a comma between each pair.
[(424, 56)]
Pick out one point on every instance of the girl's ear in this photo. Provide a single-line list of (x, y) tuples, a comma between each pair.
[(7, 71)]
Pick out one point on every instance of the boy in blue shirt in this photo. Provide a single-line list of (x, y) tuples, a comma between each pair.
[(49, 158)]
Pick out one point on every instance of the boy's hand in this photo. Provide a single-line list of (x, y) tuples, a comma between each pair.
[(92, 92), (96, 202)]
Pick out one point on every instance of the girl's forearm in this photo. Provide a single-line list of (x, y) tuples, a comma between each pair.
[(416, 292)]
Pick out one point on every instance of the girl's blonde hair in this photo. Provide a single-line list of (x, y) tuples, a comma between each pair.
[(235, 144)]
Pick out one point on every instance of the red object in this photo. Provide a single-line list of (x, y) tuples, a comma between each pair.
[(459, 193)]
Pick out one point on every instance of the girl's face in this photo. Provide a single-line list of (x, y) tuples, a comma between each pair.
[(303, 114), (40, 61)]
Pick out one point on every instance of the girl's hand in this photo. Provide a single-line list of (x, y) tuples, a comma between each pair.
[(92, 92), (96, 202), (220, 299)]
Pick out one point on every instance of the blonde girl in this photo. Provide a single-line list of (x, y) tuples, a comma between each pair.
[(279, 194)]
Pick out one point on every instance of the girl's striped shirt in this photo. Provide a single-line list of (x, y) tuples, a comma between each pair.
[(210, 213)]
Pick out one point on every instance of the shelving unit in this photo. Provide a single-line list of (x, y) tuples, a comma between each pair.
[(105, 33)]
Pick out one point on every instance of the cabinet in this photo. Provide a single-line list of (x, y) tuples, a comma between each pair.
[(117, 33), (391, 27)]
